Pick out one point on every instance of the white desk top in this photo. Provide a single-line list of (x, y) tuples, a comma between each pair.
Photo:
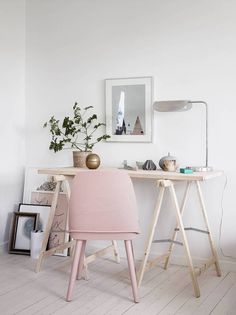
[(196, 176)]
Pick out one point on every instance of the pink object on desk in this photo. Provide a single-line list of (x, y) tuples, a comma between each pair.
[(102, 207)]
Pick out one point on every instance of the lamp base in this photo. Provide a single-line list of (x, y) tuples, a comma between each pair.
[(201, 168)]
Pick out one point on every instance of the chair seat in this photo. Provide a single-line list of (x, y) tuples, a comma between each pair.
[(103, 236)]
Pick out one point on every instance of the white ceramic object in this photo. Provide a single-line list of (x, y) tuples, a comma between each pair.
[(168, 163), (36, 243)]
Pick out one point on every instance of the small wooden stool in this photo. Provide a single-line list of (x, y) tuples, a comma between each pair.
[(194, 272)]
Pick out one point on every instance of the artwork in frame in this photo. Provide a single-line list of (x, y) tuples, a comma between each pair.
[(129, 109), (22, 225), (42, 210), (34, 182), (58, 233), (39, 190)]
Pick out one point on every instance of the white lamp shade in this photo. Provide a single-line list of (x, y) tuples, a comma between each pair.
[(172, 106)]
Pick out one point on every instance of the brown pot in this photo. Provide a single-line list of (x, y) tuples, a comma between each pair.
[(79, 158)]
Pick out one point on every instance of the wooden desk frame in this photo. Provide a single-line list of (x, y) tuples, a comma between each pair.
[(165, 181)]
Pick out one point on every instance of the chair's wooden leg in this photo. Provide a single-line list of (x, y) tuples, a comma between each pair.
[(48, 227), (74, 268), (212, 245), (116, 252), (175, 231), (185, 243), (81, 261), (151, 235), (130, 258)]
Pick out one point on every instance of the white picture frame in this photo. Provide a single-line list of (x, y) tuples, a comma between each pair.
[(42, 210), (129, 112), (32, 181)]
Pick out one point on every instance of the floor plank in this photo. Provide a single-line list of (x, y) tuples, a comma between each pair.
[(184, 296), (217, 294), (227, 302)]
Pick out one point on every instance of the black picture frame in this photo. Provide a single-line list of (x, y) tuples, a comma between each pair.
[(21, 226)]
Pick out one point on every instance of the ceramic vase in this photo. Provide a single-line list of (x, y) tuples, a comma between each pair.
[(79, 158)]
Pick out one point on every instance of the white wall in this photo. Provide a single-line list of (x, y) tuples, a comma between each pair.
[(12, 104), (187, 46)]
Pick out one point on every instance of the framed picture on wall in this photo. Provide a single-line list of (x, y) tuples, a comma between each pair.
[(129, 109)]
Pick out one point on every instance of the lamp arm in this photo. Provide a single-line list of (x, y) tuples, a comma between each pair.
[(206, 108)]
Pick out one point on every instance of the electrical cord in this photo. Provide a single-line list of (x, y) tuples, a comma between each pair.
[(221, 221)]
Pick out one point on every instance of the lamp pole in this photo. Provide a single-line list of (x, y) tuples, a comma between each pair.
[(207, 168)]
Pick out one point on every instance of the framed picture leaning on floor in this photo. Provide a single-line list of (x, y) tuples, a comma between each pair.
[(22, 225)]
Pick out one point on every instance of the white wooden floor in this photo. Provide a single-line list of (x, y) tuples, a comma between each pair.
[(108, 291)]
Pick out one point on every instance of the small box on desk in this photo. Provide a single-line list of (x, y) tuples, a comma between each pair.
[(186, 171)]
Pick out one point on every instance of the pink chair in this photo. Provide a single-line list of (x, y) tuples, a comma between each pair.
[(102, 207)]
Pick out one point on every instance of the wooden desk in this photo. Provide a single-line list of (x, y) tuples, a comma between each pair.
[(196, 176), (165, 181)]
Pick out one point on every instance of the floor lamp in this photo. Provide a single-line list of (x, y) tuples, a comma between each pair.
[(180, 106)]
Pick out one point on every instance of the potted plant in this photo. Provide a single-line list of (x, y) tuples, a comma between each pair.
[(76, 132)]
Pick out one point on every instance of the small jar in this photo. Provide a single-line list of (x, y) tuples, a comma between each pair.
[(92, 161), (168, 163)]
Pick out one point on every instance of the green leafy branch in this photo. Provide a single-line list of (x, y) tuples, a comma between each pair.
[(75, 132)]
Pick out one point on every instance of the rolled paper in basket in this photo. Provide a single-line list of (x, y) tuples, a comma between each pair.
[(36, 243)]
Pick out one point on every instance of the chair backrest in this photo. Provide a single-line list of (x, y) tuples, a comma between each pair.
[(103, 201)]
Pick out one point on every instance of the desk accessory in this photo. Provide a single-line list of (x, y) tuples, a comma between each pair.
[(186, 170), (184, 105), (139, 165), (93, 161), (128, 167), (168, 163), (149, 165)]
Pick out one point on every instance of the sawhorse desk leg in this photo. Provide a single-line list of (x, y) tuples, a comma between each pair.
[(214, 260), (163, 184), (151, 235), (185, 243), (212, 245)]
